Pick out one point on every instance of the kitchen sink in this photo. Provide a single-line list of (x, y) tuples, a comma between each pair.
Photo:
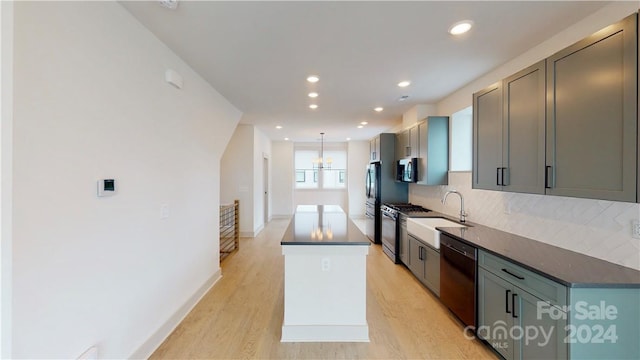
[(425, 229)]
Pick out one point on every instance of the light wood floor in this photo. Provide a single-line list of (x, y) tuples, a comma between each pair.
[(241, 317)]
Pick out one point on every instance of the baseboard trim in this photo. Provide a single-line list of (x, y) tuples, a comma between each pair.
[(281, 216), (162, 333)]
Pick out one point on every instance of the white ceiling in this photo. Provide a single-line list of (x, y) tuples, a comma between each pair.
[(258, 54)]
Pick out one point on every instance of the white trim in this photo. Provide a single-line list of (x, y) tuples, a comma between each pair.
[(162, 333)]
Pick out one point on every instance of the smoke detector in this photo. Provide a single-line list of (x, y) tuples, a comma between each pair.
[(403, 97), (169, 4)]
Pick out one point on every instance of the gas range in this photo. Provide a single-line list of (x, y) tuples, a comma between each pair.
[(391, 217), (403, 208)]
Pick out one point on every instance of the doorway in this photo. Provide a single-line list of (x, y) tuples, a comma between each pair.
[(265, 189)]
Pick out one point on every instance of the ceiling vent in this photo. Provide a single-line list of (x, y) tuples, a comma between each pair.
[(169, 4)]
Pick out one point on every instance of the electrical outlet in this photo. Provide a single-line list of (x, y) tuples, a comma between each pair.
[(635, 229), (326, 264)]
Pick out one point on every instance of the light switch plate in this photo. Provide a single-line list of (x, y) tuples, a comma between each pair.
[(635, 229)]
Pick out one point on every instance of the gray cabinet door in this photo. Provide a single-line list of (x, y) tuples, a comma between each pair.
[(412, 151), (487, 138), (523, 157), (401, 142), (432, 269), (592, 116), (416, 260), (374, 149), (548, 340), (495, 308), (404, 243), (433, 155)]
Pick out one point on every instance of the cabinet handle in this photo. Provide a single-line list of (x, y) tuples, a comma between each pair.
[(548, 177), (407, 151), (512, 274), (498, 176), (420, 253), (502, 177), (506, 301), (513, 305)]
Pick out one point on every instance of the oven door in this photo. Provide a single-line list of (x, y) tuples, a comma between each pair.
[(389, 233)]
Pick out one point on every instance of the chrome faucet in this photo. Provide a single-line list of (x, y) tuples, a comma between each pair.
[(463, 214)]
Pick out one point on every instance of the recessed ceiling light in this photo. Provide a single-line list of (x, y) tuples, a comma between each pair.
[(313, 78), (364, 123), (378, 109), (348, 139), (404, 83), (278, 127), (286, 139), (460, 27), (313, 94), (360, 126), (313, 106)]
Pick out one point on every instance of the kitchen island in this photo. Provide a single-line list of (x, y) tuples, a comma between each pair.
[(325, 277)]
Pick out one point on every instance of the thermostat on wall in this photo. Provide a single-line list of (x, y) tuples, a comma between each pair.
[(106, 187)]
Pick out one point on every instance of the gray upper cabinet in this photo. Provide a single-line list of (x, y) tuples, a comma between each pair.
[(487, 138), (433, 154), (374, 149), (509, 131), (407, 143), (567, 125), (523, 146), (592, 116)]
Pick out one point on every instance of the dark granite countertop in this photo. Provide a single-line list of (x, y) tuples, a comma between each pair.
[(567, 267), (322, 225)]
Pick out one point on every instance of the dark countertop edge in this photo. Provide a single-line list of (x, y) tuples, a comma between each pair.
[(538, 271), (325, 243)]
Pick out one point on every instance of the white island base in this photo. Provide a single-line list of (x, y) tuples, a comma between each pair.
[(325, 293)]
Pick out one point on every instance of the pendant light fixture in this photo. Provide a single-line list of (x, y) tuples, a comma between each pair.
[(320, 162)]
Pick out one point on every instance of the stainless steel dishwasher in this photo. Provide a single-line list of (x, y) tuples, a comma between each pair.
[(458, 278)]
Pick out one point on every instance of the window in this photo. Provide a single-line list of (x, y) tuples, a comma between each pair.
[(461, 140), (332, 176)]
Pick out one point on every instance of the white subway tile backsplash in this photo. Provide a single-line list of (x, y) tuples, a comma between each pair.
[(597, 228)]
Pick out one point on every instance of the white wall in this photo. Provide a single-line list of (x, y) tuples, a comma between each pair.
[(237, 175), (598, 228), (6, 175), (242, 176), (90, 102), (358, 158), (282, 178)]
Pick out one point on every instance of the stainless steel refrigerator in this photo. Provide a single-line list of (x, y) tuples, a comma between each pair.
[(381, 187)]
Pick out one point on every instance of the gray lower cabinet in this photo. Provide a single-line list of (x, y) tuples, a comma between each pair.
[(592, 116), (404, 241), (424, 263), (508, 320), (524, 315)]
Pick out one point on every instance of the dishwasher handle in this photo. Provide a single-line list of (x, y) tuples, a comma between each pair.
[(470, 255)]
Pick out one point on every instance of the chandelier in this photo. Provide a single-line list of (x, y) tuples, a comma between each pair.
[(321, 163)]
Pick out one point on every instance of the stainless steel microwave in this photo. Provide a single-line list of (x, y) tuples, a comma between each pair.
[(407, 170)]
